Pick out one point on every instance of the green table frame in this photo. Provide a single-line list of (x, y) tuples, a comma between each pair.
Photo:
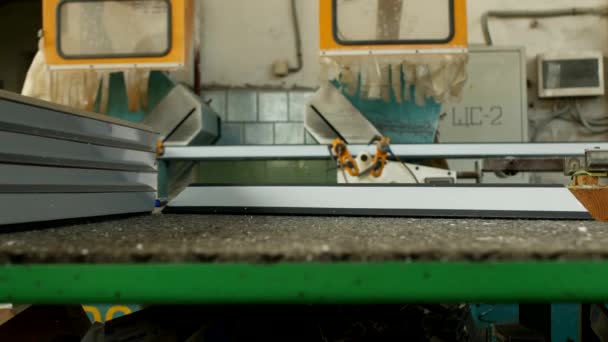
[(306, 283)]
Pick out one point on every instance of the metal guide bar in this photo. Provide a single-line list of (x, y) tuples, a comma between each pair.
[(452, 151), (27, 149), (76, 137), (22, 208), (40, 175), (47, 121), (70, 189), (72, 163), (40, 104), (532, 202)]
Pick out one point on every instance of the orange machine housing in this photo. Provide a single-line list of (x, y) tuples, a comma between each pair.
[(182, 23), (329, 44)]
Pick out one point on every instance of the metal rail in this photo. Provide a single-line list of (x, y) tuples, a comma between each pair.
[(306, 283), (452, 151)]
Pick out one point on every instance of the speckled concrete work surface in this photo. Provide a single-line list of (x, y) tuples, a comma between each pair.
[(268, 239)]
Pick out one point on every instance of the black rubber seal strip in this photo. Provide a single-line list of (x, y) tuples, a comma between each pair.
[(391, 185)]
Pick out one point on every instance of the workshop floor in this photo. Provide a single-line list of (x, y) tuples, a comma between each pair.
[(192, 238)]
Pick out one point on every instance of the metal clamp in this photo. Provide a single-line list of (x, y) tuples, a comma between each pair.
[(382, 150), (345, 159), (160, 148)]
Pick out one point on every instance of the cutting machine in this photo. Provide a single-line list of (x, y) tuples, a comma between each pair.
[(377, 174)]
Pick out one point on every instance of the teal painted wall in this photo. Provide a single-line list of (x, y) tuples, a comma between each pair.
[(404, 122)]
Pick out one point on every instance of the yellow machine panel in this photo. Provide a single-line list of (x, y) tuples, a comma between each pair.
[(117, 34), (392, 27)]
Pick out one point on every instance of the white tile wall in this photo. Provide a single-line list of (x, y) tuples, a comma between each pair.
[(242, 106), (261, 117), (297, 105), (259, 134), (288, 133), (273, 107), (217, 100)]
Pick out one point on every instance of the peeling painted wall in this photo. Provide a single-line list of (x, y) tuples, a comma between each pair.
[(579, 33), (241, 40)]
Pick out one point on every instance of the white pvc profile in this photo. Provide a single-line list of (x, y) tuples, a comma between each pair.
[(454, 151), (474, 201)]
